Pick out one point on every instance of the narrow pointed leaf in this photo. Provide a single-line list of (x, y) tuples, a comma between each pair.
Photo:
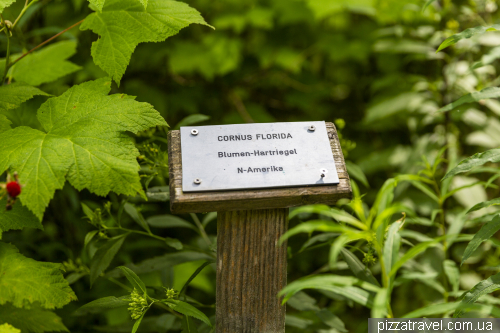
[(134, 280), (452, 273), (492, 155), (358, 268), (137, 323), (486, 232), (486, 93), (103, 256), (104, 303), (136, 216), (468, 33), (187, 310), (482, 288), (413, 252), (485, 204), (379, 309)]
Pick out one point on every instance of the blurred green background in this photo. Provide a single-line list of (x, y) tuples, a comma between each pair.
[(369, 66)]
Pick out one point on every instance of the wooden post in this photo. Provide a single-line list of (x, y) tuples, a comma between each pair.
[(251, 267), (251, 270)]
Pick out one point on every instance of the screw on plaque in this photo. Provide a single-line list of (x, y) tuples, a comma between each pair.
[(197, 181), (323, 173), (194, 131), (312, 128)]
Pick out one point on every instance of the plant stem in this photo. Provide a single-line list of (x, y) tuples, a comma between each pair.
[(26, 6), (7, 58), (202, 230), (47, 41)]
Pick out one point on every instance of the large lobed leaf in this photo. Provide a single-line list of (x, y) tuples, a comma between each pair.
[(84, 143), (13, 95), (25, 281), (17, 218), (47, 64), (492, 155), (467, 33), (33, 320), (5, 3), (98, 4), (7, 328), (486, 93), (123, 24)]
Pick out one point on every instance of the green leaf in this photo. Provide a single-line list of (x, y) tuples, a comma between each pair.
[(315, 225), (137, 323), (101, 304), (46, 65), (123, 24), (482, 288), (17, 218), (358, 268), (33, 320), (187, 325), (413, 252), (169, 221), (188, 310), (485, 204), (427, 4), (103, 256), (174, 242), (486, 93), (486, 232), (5, 3), (379, 309), (468, 33), (84, 143), (134, 280), (492, 155), (6, 328), (431, 310), (161, 262), (136, 216), (487, 59), (391, 246), (343, 285), (356, 172), (24, 281), (453, 273), (98, 4), (15, 94), (5, 123), (195, 274), (191, 120)]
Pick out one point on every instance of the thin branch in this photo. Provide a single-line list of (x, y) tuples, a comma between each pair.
[(7, 58), (47, 41), (26, 6), (240, 107)]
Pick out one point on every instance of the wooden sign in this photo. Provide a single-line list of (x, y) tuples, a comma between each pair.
[(253, 215)]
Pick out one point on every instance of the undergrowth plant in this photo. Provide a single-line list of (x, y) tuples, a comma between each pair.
[(82, 137)]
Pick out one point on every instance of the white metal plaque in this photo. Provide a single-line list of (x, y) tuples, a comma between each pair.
[(246, 156)]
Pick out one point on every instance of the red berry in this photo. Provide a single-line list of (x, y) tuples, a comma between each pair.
[(14, 189)]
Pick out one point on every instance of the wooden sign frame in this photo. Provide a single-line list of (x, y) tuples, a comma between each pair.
[(251, 266), (201, 202)]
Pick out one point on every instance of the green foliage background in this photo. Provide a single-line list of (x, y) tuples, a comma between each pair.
[(370, 66)]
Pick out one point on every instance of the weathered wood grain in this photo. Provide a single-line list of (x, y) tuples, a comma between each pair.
[(248, 199), (251, 270)]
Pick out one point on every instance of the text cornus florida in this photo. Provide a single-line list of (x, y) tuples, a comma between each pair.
[(429, 325)]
